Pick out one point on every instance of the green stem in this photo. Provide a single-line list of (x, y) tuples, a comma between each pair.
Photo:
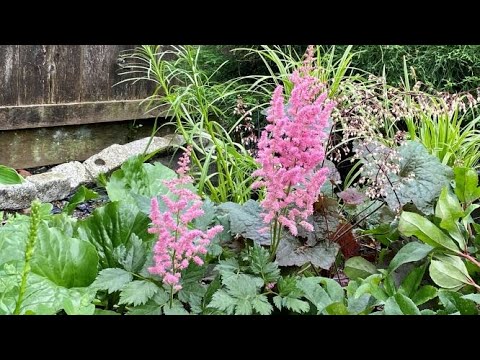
[(32, 237)]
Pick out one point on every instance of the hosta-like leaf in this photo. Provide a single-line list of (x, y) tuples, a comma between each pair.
[(9, 176)]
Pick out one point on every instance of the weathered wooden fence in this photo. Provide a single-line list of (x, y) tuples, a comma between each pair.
[(44, 88)]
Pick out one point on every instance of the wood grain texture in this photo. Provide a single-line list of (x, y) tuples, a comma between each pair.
[(9, 74), (46, 115), (32, 82)]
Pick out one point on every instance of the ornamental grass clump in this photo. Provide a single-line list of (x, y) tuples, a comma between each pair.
[(291, 153), (178, 244)]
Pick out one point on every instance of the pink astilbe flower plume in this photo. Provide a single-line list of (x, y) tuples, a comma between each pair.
[(177, 244), (290, 150)]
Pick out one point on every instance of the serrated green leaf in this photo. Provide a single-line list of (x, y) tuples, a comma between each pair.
[(112, 279), (412, 224), (221, 300), (424, 294), (227, 268), (261, 265), (466, 185), (295, 305), (137, 292), (454, 302), (315, 293), (413, 251), (261, 305), (358, 268)]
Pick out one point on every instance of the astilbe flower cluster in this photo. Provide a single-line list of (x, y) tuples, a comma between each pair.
[(291, 152), (177, 244)]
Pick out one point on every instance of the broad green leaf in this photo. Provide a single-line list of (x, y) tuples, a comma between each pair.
[(315, 293), (371, 285), (412, 281), (337, 308), (454, 302), (83, 194), (138, 292), (412, 224), (9, 176), (466, 185), (68, 262), (333, 288), (245, 220), (291, 252), (449, 211), (472, 297), (406, 305), (360, 304), (112, 279), (447, 275), (413, 251), (424, 294), (429, 178), (110, 226), (358, 268)]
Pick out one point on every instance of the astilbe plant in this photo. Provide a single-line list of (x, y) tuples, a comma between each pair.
[(177, 243), (291, 152)]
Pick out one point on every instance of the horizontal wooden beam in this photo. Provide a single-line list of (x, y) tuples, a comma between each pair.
[(47, 115), (29, 148)]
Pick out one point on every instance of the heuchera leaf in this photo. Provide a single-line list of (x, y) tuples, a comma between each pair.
[(430, 177)]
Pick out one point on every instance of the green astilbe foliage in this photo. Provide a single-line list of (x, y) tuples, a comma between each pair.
[(30, 247)]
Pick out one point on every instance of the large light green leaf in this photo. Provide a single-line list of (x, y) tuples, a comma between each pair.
[(413, 251), (430, 176), (9, 176), (68, 262), (412, 224), (111, 226), (315, 293), (466, 185), (357, 267), (400, 305), (449, 274), (449, 210)]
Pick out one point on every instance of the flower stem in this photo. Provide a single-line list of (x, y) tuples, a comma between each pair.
[(32, 238)]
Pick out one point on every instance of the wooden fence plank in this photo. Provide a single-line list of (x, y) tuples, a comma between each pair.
[(32, 84), (46, 115), (95, 72), (64, 80), (9, 74)]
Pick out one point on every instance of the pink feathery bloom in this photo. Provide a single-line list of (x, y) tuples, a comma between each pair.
[(290, 150), (177, 244)]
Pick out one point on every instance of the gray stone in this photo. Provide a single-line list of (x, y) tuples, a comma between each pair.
[(16, 197), (114, 156), (75, 172), (51, 186)]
